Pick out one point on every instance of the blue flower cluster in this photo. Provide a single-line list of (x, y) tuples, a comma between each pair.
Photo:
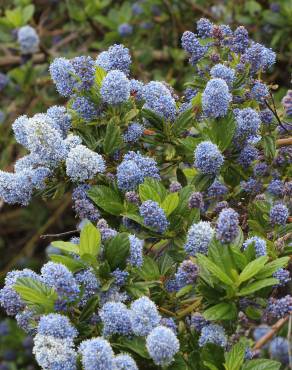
[(28, 40), (208, 158), (198, 238), (259, 244), (227, 225), (216, 97), (153, 216), (134, 169), (279, 308), (158, 98), (213, 333)]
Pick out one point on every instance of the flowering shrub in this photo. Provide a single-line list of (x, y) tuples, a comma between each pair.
[(185, 232)]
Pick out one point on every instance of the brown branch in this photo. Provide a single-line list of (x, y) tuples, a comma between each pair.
[(267, 337), (15, 60), (284, 142), (60, 234)]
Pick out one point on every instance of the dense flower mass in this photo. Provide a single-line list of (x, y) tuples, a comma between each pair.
[(181, 250), (216, 96), (208, 158)]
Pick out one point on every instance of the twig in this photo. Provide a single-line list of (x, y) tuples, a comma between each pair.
[(29, 247), (57, 235), (274, 111), (275, 328)]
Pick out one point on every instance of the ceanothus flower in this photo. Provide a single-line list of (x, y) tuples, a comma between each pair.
[(89, 283), (252, 186), (16, 188), (57, 326), (84, 70), (276, 188), (279, 308), (208, 158), (9, 298), (174, 187), (283, 276), (134, 132), (259, 57), (158, 99), (287, 103), (260, 245), (116, 57), (191, 45), (44, 140), (196, 200), (115, 317), (136, 89), (162, 345), (169, 323), (120, 276), (28, 40), (54, 353), (217, 190), (85, 108), (186, 274), (83, 164), (61, 119), (216, 98), (134, 169), (240, 40), (25, 320), (115, 88), (279, 214), (125, 362), (72, 141), (259, 91), (61, 279), (136, 251), (260, 169), (4, 80), (247, 155), (213, 333), (279, 350), (225, 73), (125, 29), (197, 322), (204, 28), (144, 316), (96, 354), (248, 123), (82, 206), (62, 74), (198, 238), (153, 216), (227, 225), (266, 116)]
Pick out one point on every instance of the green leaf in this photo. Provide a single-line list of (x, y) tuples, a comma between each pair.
[(136, 345), (27, 13), (139, 289), (113, 139), (89, 308), (235, 357), (221, 311), (183, 122), (269, 145), (34, 292), (272, 267), (117, 251), (257, 285), (261, 364), (100, 74), (147, 192), (154, 119), (170, 203), (252, 269), (222, 130), (66, 246), (71, 263), (202, 182), (107, 199), (149, 269), (90, 240), (214, 269), (157, 187)]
